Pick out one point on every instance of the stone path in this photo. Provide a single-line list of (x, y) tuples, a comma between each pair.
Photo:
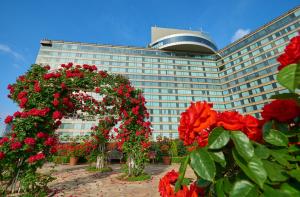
[(76, 181)]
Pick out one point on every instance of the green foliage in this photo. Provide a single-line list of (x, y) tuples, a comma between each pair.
[(102, 170), (240, 167), (142, 177), (289, 77)]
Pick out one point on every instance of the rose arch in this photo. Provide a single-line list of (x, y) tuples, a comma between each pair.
[(46, 96)]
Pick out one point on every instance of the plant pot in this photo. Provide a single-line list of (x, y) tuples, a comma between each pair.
[(73, 161), (166, 160)]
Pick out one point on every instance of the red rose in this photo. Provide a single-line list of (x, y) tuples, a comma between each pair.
[(57, 115), (291, 53), (3, 140), (198, 118), (36, 157), (8, 119), (230, 120), (37, 87), (252, 128), (50, 141), (41, 135), (16, 145), (29, 141), (97, 89), (23, 102), (56, 95), (281, 110), (172, 176), (55, 102), (63, 86), (2, 155), (22, 95), (17, 114)]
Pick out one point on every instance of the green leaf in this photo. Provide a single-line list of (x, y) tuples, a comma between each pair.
[(254, 169), (280, 158), (276, 138), (270, 192), (242, 145), (292, 191), (227, 186), (203, 164), (218, 157), (219, 187), (289, 76), (243, 188), (218, 138), (295, 174), (275, 172), (267, 126), (285, 96), (182, 170), (262, 152)]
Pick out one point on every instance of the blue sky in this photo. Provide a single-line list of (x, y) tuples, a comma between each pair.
[(24, 23)]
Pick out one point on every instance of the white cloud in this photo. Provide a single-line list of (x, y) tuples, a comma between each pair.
[(6, 49), (239, 33)]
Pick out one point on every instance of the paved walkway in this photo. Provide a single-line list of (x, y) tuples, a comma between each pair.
[(76, 181)]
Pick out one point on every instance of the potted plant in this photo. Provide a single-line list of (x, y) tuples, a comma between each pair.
[(165, 150), (74, 151)]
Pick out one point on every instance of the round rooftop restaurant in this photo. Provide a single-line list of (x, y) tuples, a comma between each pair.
[(182, 40)]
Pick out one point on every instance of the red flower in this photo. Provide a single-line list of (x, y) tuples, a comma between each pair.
[(37, 87), (29, 141), (8, 119), (166, 187), (17, 114), (281, 110), (252, 128), (41, 135), (2, 155), (15, 145), (230, 120), (291, 53), (22, 94), (50, 141), (97, 89), (47, 67), (63, 86), (57, 115), (56, 95), (172, 176), (23, 102), (135, 110), (3, 140), (55, 102), (36, 157), (195, 121)]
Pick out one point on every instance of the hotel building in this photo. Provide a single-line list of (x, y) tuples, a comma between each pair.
[(180, 66)]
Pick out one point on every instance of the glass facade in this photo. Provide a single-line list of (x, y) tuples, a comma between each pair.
[(239, 77)]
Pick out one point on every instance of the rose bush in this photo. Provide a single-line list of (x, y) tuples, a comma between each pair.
[(239, 155), (46, 96)]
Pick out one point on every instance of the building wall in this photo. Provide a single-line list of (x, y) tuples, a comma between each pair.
[(241, 79)]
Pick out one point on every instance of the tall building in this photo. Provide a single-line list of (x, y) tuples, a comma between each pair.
[(181, 66)]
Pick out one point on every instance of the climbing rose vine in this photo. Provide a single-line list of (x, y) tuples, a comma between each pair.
[(238, 155), (46, 96)]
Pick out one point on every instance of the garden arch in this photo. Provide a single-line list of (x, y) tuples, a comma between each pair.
[(45, 96)]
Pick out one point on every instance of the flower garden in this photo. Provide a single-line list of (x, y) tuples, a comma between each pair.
[(230, 154)]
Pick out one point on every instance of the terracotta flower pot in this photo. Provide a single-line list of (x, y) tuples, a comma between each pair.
[(73, 161), (166, 160)]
